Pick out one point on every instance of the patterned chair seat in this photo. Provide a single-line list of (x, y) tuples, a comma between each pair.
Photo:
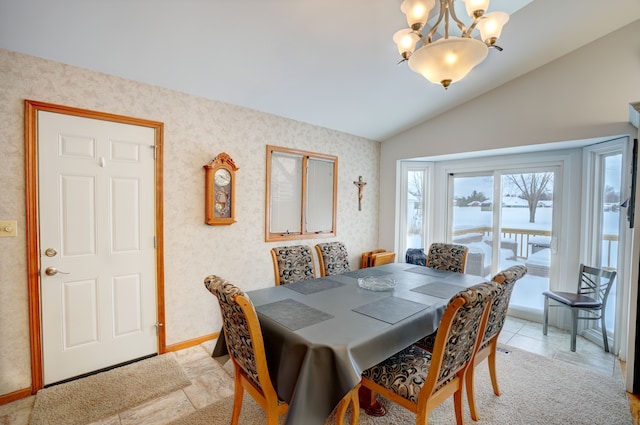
[(403, 373)]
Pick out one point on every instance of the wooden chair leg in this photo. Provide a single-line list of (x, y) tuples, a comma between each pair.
[(457, 404), (351, 399), (238, 393), (471, 399), (492, 369)]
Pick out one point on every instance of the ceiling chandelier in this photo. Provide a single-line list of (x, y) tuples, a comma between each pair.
[(449, 58)]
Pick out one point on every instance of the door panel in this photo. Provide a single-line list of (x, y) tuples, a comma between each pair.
[(80, 313), (97, 210)]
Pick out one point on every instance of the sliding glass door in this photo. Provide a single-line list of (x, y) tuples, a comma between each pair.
[(506, 218)]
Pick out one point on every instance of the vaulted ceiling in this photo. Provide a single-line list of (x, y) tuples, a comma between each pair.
[(330, 63)]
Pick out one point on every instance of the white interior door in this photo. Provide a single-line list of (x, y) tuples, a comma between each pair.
[(97, 221)]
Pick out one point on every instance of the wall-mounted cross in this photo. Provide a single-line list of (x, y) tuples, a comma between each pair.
[(360, 184)]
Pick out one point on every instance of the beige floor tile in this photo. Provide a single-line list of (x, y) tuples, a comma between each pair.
[(159, 411), (513, 324), (201, 366), (209, 388), (17, 412), (191, 354), (533, 345)]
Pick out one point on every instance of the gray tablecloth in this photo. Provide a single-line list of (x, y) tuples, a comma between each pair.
[(314, 366)]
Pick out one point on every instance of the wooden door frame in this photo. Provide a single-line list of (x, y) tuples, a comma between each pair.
[(32, 222)]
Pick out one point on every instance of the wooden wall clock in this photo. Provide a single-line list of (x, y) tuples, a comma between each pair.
[(220, 191)]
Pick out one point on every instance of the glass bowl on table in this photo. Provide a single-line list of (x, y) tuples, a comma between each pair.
[(377, 283)]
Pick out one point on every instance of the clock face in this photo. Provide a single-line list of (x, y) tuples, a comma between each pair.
[(222, 177)]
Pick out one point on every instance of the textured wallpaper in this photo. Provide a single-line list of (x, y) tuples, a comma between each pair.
[(195, 131)]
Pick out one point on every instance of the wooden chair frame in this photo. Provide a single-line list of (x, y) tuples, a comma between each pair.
[(433, 392), (488, 350), (382, 258)]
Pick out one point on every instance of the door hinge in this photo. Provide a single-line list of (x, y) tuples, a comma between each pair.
[(155, 150), (155, 242), (158, 325)]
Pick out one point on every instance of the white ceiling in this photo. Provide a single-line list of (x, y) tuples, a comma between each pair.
[(331, 63)]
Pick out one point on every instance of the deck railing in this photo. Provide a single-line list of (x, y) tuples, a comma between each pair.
[(524, 242)]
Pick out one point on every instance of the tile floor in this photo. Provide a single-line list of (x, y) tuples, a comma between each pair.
[(211, 381)]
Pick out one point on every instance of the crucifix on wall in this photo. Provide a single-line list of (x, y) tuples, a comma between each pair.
[(360, 184)]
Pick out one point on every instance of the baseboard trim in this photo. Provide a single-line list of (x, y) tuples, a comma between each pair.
[(16, 395), (191, 342)]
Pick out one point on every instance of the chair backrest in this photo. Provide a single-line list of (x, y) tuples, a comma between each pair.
[(366, 257), (382, 258), (292, 264), (333, 258), (595, 283), (443, 256), (242, 331), (507, 279), (458, 335)]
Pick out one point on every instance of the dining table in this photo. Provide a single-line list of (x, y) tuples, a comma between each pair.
[(320, 334)]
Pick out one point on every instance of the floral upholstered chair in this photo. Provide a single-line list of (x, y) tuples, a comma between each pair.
[(292, 264), (419, 380), (451, 257), (333, 258), (489, 343), (246, 350)]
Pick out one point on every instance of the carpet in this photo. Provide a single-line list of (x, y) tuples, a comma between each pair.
[(107, 393), (536, 390)]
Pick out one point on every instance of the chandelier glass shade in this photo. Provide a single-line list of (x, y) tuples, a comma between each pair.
[(449, 58)]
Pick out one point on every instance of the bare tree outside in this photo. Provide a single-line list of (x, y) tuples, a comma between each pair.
[(533, 189)]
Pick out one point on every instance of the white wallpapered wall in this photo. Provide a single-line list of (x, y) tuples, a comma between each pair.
[(195, 131)]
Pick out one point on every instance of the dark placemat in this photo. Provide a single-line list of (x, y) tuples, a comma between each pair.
[(369, 271), (429, 272), (293, 314), (390, 309), (312, 286), (439, 289)]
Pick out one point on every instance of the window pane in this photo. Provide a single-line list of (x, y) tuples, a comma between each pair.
[(415, 214), (612, 166), (527, 212), (286, 193), (472, 220), (320, 196)]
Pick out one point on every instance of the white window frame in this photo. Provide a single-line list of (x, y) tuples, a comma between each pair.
[(427, 219)]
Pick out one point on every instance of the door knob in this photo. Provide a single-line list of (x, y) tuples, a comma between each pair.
[(52, 271)]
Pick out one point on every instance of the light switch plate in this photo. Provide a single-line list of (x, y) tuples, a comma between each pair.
[(8, 228)]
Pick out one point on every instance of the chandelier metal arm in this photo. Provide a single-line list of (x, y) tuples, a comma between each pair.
[(452, 11), (435, 26)]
